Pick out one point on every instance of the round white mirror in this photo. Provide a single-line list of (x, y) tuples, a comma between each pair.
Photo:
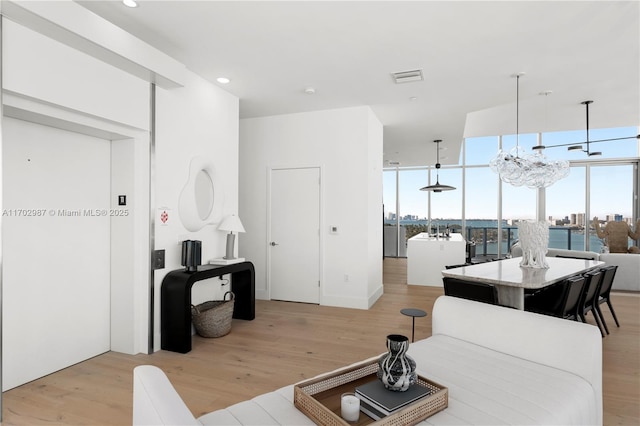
[(204, 193), (202, 198)]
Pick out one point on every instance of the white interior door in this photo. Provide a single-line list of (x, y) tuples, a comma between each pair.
[(56, 246), (294, 249)]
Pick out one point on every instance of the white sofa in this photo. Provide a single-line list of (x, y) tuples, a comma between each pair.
[(628, 273), (501, 366), (627, 276)]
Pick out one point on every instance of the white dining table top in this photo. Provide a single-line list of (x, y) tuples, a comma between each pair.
[(508, 272)]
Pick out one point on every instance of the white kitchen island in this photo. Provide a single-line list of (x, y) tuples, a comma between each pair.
[(428, 255)]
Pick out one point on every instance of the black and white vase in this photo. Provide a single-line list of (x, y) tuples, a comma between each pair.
[(397, 370)]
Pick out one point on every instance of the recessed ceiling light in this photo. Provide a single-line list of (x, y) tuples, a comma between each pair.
[(310, 91), (130, 3), (223, 80)]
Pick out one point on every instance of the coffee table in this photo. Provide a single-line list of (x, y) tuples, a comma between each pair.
[(319, 398)]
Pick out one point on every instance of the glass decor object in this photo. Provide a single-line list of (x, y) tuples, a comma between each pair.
[(534, 240), (518, 168), (397, 370)]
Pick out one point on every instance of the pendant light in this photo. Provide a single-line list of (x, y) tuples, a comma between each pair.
[(579, 147), (573, 146), (437, 187), (517, 167)]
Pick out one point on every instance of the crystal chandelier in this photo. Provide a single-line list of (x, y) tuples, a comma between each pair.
[(519, 168)]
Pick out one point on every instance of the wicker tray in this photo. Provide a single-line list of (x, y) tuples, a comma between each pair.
[(319, 398)]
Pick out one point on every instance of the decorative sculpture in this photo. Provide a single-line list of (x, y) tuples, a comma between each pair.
[(615, 236), (396, 369), (534, 239)]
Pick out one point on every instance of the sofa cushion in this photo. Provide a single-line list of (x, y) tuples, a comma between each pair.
[(272, 408), (573, 254), (489, 387), (516, 251)]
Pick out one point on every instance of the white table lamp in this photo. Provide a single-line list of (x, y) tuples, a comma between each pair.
[(232, 224)]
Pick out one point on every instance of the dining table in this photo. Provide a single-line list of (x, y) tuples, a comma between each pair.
[(511, 279)]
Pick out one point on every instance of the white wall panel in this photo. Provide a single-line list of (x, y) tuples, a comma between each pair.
[(198, 120), (348, 144), (44, 69), (56, 272)]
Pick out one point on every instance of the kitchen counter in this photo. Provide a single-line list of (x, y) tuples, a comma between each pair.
[(428, 255)]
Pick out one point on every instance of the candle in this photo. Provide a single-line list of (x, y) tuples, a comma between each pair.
[(350, 407)]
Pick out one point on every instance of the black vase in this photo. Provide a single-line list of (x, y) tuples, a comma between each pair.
[(397, 370)]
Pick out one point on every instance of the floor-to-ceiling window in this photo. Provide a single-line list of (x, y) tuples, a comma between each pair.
[(413, 204), (598, 186), (481, 194), (486, 210), (566, 211), (390, 220), (610, 196)]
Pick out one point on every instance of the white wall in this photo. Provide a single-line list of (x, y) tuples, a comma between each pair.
[(37, 67), (52, 83), (198, 120), (347, 144), (123, 245), (47, 82), (375, 211)]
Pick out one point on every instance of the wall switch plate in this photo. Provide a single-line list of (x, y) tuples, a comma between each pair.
[(158, 259)]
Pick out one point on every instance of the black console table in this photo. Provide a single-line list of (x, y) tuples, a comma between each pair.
[(175, 300)]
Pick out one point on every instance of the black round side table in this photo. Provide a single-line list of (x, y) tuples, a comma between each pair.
[(413, 313)]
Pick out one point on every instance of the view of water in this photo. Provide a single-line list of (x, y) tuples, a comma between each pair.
[(558, 235)]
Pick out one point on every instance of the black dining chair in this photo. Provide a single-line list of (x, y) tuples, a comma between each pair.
[(560, 300), (479, 292), (609, 273), (590, 296), (456, 266)]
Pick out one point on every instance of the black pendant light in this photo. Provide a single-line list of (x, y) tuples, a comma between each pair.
[(437, 187), (579, 147)]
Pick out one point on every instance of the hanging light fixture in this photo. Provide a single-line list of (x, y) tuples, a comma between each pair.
[(437, 187), (573, 146), (546, 94), (518, 168), (579, 147)]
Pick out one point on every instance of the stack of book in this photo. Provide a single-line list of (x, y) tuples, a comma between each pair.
[(377, 402)]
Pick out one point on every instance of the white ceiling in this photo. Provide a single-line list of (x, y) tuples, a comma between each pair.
[(468, 51)]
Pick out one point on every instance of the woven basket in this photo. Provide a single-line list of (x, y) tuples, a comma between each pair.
[(213, 318)]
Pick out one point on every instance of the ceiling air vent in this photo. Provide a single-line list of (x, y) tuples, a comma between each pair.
[(407, 76)]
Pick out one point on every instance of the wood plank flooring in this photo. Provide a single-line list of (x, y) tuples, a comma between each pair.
[(288, 342)]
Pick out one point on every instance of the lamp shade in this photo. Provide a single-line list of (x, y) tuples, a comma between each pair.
[(231, 223)]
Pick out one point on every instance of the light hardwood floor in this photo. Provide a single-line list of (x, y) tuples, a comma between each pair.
[(286, 343)]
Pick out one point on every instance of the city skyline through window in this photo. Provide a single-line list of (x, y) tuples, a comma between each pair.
[(446, 205), (607, 181)]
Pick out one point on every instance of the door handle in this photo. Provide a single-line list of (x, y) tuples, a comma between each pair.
[(273, 243)]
